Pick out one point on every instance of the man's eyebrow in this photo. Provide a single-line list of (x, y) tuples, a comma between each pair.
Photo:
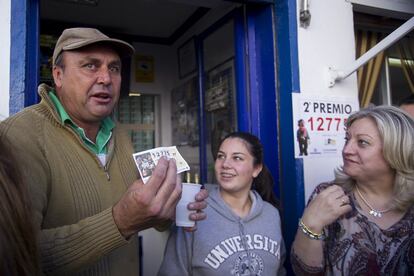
[(89, 59), (116, 62), (98, 60)]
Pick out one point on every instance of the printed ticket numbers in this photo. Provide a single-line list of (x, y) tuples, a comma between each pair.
[(147, 160)]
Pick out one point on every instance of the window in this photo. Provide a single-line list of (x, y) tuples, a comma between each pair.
[(138, 114), (389, 77)]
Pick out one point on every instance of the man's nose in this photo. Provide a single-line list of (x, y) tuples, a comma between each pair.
[(104, 76)]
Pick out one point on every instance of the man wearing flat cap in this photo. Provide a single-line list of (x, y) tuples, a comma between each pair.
[(87, 202)]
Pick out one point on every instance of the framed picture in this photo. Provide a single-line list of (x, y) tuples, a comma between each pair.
[(187, 60), (144, 68), (219, 86), (184, 110)]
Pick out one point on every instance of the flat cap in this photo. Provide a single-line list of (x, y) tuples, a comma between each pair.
[(75, 38)]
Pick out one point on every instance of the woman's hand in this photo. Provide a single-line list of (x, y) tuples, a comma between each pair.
[(325, 208)]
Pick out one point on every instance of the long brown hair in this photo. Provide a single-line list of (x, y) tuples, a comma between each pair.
[(18, 245)]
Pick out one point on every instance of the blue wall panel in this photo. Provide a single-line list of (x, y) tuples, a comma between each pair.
[(24, 51), (262, 73), (288, 75), (243, 111), (32, 50), (18, 55)]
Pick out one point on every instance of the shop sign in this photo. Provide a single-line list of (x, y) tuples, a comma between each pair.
[(319, 123)]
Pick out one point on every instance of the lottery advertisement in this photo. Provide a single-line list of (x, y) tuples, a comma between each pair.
[(319, 124)]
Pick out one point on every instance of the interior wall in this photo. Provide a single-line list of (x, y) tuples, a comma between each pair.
[(165, 69), (328, 41), (5, 58)]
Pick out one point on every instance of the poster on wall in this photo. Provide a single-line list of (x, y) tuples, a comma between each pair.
[(184, 110), (319, 123), (187, 58), (144, 68)]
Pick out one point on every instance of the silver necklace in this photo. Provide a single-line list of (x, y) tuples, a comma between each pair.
[(373, 212)]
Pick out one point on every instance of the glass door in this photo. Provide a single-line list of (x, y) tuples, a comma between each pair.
[(220, 110)]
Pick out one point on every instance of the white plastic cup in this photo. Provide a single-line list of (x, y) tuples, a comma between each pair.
[(182, 214)]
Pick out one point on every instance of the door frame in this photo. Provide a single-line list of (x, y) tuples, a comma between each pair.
[(24, 54)]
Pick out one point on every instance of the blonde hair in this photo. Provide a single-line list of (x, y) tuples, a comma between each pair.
[(396, 129)]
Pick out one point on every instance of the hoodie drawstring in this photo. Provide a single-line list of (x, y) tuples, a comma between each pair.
[(246, 248)]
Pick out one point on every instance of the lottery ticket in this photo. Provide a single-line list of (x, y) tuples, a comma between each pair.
[(148, 159)]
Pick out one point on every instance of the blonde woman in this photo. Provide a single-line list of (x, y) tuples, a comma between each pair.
[(362, 223)]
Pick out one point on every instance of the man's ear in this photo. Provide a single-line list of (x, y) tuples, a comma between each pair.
[(57, 72)]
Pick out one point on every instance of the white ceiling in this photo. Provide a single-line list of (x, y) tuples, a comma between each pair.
[(148, 18)]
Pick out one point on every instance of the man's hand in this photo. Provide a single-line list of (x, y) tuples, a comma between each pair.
[(198, 206), (145, 205)]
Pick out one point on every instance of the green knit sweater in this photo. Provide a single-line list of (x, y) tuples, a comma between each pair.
[(73, 193)]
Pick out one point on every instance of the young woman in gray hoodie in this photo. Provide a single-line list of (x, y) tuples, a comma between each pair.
[(242, 232)]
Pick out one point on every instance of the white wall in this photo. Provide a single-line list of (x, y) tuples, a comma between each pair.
[(4, 57), (328, 41), (164, 73)]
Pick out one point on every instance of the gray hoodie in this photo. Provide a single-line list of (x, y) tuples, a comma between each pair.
[(218, 247)]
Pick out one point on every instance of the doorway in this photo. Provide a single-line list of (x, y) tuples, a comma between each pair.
[(209, 39)]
